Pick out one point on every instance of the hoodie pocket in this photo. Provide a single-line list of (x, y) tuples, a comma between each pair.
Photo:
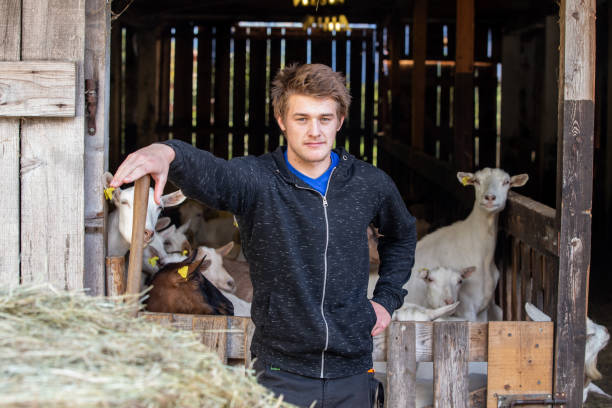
[(372, 313)]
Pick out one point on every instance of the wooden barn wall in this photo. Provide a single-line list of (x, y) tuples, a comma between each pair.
[(209, 84)]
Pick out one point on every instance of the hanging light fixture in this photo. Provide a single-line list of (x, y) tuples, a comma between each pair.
[(316, 3)]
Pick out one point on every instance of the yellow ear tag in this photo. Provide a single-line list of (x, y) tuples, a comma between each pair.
[(153, 261), (424, 270), (108, 193), (185, 252), (183, 271), (465, 180), (235, 222)]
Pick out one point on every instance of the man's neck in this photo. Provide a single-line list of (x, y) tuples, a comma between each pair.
[(311, 169)]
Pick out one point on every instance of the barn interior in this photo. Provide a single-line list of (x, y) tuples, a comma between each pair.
[(438, 87)]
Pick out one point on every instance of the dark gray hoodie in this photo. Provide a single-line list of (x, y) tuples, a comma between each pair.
[(308, 253)]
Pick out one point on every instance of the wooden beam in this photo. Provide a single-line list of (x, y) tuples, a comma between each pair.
[(38, 89), (401, 365), (574, 192), (451, 350), (183, 98), (10, 26), (419, 73), (222, 79), (52, 153), (463, 156), (97, 68)]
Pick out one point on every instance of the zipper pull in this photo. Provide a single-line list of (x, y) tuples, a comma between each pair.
[(324, 201)]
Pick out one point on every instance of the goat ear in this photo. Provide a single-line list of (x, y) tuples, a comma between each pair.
[(424, 274), (173, 199), (106, 179), (465, 273), (519, 180), (162, 223), (465, 178), (167, 232), (225, 249)]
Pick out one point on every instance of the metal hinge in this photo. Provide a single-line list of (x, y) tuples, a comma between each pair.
[(91, 101), (516, 400)]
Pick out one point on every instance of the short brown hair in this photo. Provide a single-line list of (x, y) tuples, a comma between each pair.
[(316, 80)]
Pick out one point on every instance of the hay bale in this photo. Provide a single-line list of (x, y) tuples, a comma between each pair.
[(67, 349)]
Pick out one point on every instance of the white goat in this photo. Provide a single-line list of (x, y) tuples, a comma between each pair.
[(121, 219), (175, 240), (469, 242), (597, 339), (216, 272), (213, 232)]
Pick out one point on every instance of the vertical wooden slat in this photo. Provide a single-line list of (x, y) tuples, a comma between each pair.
[(487, 92), (295, 50), (321, 48), (503, 277), (97, 64), (239, 92), (115, 109), (341, 67), (10, 17), (183, 70), (401, 365), (355, 87), (204, 84), (222, 75), (52, 154), (369, 98), (574, 189), (248, 339), (464, 87), (115, 275), (257, 96), (516, 306), (419, 78), (525, 273), (445, 114), (275, 60), (450, 354), (538, 298)]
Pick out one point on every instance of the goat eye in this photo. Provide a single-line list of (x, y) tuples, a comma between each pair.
[(506, 182), (460, 282), (476, 181)]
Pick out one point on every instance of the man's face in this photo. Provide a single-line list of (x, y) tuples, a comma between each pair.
[(310, 125)]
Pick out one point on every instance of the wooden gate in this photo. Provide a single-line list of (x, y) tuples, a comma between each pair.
[(519, 357)]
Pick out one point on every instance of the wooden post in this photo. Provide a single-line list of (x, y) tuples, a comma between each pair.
[(53, 152), (97, 67), (394, 37), (463, 155), (574, 192), (141, 199), (115, 275), (451, 345), (401, 365), (10, 17), (419, 73)]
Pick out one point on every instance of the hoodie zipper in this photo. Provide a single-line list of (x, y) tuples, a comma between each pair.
[(324, 197)]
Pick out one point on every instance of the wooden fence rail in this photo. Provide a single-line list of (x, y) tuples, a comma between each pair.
[(519, 356)]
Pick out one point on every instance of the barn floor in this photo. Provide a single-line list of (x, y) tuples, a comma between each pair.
[(600, 306)]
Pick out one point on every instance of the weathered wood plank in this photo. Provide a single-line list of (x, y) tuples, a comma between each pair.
[(368, 134), (531, 222), (183, 63), (516, 306), (257, 94), (401, 365), (37, 89), (574, 246), (354, 117), (97, 68), (204, 84), (52, 153), (214, 333), (222, 75), (248, 338), (10, 18), (341, 67), (520, 359), (239, 95), (419, 77), (451, 344), (463, 156), (115, 275)]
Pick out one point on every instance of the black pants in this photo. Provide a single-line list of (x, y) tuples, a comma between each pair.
[(355, 391)]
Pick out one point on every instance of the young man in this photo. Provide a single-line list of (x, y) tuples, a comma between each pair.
[(303, 212)]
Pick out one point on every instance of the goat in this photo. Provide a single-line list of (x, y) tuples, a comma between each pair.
[(175, 240), (597, 339), (469, 242), (211, 232), (121, 219), (239, 271), (216, 273), (182, 288)]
